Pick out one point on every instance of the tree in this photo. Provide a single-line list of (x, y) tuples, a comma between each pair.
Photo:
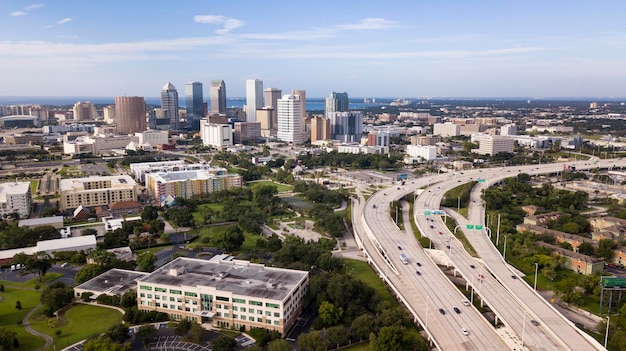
[(145, 333), (223, 343), (183, 327), (312, 341), (230, 238), (363, 325), (149, 213), (103, 343), (18, 305), (279, 345), (337, 335), (57, 295), (6, 338), (195, 334), (146, 261), (586, 248), (118, 333), (605, 249), (329, 314), (395, 338)]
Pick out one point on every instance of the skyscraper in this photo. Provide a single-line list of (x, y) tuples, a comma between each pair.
[(271, 100), (218, 96), (301, 95), (130, 114), (290, 120), (169, 102), (336, 102), (194, 106), (346, 126), (254, 98)]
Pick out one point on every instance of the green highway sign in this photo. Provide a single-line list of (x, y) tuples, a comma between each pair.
[(610, 282), (426, 213), (469, 226), (481, 180), (479, 227)]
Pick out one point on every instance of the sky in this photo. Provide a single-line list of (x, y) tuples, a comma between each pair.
[(479, 48)]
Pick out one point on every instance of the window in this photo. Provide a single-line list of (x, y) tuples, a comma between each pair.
[(259, 320), (175, 292), (221, 298), (226, 315), (218, 305), (268, 313), (268, 321), (145, 287), (243, 318), (235, 308), (142, 295), (180, 308), (172, 299), (276, 322), (272, 305), (149, 303), (251, 319), (157, 297), (157, 304), (259, 312), (250, 310), (160, 289), (239, 300), (243, 309), (256, 303), (276, 314), (192, 294), (149, 296)]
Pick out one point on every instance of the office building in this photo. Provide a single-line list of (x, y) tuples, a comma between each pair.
[(225, 293), (509, 129), (96, 191), (109, 114), (425, 152), (320, 129), (254, 98), (218, 135), (446, 129), (84, 111), (218, 96), (169, 102), (246, 131), (194, 104), (265, 117), (378, 138), (15, 197), (346, 126), (139, 170), (130, 114), (189, 183), (495, 144), (289, 120), (301, 95), (271, 100), (336, 102)]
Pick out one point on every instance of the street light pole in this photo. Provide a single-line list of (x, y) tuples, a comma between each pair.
[(606, 335), (504, 252), (498, 231), (458, 203), (536, 269)]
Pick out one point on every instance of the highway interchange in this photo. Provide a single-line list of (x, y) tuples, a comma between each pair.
[(513, 301)]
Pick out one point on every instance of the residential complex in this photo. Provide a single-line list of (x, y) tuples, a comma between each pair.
[(84, 111), (225, 293), (189, 183), (96, 191), (336, 102), (15, 197), (346, 126)]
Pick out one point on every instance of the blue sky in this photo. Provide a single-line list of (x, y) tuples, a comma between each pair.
[(367, 48)]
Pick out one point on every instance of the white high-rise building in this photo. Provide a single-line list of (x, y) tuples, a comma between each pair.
[(254, 98), (169, 102), (84, 111), (290, 120), (495, 144), (509, 129), (15, 198), (217, 135)]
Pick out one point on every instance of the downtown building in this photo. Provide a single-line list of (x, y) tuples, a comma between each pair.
[(346, 126), (217, 135), (169, 103), (130, 114), (495, 144), (194, 104), (290, 120), (225, 293), (96, 191), (271, 96), (254, 98), (15, 197), (217, 96), (139, 170), (84, 111), (165, 186), (336, 102)]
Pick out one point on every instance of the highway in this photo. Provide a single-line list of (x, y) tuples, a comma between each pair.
[(513, 301)]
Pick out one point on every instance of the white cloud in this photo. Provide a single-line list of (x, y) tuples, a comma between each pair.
[(64, 21), (367, 24), (228, 23), (33, 7), (18, 13)]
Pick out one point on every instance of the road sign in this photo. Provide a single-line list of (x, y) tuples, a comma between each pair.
[(469, 226), (426, 213), (481, 180), (479, 227), (438, 212), (611, 282)]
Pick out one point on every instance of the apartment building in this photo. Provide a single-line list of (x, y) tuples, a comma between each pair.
[(189, 183), (15, 197), (96, 191)]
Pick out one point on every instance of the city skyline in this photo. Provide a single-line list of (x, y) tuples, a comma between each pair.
[(403, 49)]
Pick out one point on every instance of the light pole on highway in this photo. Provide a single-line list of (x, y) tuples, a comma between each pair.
[(498, 231), (458, 203), (536, 269), (504, 252), (606, 335)]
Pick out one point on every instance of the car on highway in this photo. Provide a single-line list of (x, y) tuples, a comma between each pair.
[(465, 302), (418, 273), (464, 331), (419, 264), (457, 310), (447, 246), (440, 233), (514, 276), (442, 311), (374, 206), (472, 266), (399, 247), (534, 322)]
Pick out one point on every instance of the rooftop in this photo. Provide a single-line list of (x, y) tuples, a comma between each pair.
[(40, 221), (78, 183), (235, 276), (112, 282), (13, 188)]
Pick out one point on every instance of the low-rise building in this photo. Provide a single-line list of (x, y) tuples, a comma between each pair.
[(577, 262), (187, 184), (15, 197), (112, 282), (54, 221), (225, 293), (96, 191), (560, 237)]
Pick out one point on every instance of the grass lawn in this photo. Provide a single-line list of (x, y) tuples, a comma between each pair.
[(364, 346), (198, 213), (34, 185), (83, 321), (281, 188), (249, 244), (10, 315), (364, 272)]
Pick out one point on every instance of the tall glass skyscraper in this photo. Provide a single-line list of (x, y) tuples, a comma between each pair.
[(169, 102), (337, 102), (217, 93), (254, 98), (194, 103)]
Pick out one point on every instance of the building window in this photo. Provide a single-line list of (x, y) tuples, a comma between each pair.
[(175, 292), (172, 299), (226, 315), (256, 303), (192, 294), (145, 287), (218, 305), (276, 322), (160, 289), (259, 320), (268, 313), (142, 295), (235, 308), (239, 300), (243, 309), (272, 305), (268, 321), (259, 312), (149, 296), (276, 314), (251, 319), (250, 310), (221, 298)]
